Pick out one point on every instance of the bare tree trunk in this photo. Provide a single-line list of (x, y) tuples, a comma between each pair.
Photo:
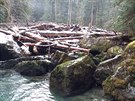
[(91, 18), (55, 11), (69, 11)]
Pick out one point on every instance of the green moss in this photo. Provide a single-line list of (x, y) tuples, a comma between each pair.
[(108, 85), (119, 83), (130, 50), (127, 63), (60, 57), (68, 78), (112, 83), (116, 50), (130, 46), (75, 63)]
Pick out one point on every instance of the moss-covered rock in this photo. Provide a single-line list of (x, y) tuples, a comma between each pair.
[(113, 51), (73, 77), (130, 50), (60, 57), (33, 68), (98, 43), (122, 80), (106, 69)]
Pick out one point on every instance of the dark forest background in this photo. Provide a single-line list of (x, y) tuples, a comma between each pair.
[(110, 14)]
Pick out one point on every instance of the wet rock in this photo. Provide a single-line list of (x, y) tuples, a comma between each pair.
[(9, 64), (33, 68), (121, 85), (113, 51), (99, 44), (73, 77), (60, 57), (106, 69), (8, 48), (130, 50)]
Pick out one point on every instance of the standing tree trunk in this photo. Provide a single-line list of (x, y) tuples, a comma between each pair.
[(55, 11), (69, 11), (91, 18)]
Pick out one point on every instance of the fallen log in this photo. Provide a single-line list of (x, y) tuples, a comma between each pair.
[(68, 38), (36, 37), (33, 44), (98, 34), (26, 30), (23, 39), (43, 26), (72, 48), (59, 46), (7, 32), (62, 33)]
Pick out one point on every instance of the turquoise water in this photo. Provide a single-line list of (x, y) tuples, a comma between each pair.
[(14, 87)]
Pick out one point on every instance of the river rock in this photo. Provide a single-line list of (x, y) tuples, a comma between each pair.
[(33, 68), (9, 64), (60, 57), (8, 48), (106, 69), (73, 77), (130, 50), (98, 46), (113, 51), (121, 85)]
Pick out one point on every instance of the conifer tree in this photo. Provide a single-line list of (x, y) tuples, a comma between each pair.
[(126, 18), (4, 11)]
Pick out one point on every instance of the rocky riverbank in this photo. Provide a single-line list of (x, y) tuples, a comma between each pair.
[(102, 59)]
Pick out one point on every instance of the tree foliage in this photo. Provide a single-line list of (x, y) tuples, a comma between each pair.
[(118, 14), (4, 10), (126, 19), (19, 10)]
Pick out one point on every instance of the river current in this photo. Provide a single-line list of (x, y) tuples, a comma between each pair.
[(15, 87)]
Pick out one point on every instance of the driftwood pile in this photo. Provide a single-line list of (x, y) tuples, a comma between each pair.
[(49, 37)]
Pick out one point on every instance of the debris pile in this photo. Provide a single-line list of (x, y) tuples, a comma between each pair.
[(46, 38)]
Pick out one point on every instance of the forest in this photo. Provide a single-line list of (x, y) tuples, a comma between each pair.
[(111, 14), (67, 50)]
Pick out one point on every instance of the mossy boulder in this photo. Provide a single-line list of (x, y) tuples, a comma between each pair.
[(73, 77), (99, 44), (130, 50), (33, 68), (121, 85), (113, 51), (60, 57), (106, 69)]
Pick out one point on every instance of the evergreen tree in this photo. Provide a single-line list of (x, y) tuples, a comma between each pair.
[(126, 19), (19, 10), (4, 11), (38, 10)]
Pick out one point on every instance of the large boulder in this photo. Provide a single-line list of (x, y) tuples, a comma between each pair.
[(9, 64), (60, 57), (34, 67), (121, 85), (130, 50), (98, 46), (8, 48), (106, 69), (113, 51), (73, 77)]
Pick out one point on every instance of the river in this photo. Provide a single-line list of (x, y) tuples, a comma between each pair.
[(15, 87)]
